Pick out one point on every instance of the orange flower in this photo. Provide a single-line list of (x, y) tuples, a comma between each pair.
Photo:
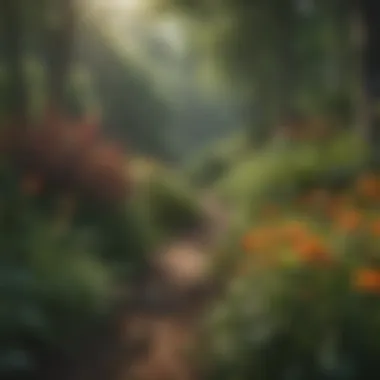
[(31, 185), (375, 228), (349, 220), (312, 251), (367, 279), (294, 231)]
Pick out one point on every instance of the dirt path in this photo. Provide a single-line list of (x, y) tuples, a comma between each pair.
[(153, 341), (180, 298)]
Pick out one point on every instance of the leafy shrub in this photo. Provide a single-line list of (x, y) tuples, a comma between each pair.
[(71, 155), (169, 204), (212, 164), (72, 159), (279, 174), (123, 236), (52, 286), (66, 241), (304, 302)]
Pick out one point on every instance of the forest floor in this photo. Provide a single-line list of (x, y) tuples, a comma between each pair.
[(154, 341)]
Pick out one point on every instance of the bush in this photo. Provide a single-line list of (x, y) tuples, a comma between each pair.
[(279, 174), (52, 288), (213, 163), (61, 256), (304, 303), (168, 204)]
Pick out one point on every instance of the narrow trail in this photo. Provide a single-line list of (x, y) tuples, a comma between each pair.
[(154, 342)]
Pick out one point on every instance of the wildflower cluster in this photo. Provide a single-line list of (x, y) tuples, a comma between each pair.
[(305, 300), (319, 228)]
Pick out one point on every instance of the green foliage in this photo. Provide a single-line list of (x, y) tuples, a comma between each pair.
[(281, 319), (173, 209), (58, 271), (169, 205), (237, 327), (281, 173), (265, 330), (102, 79), (123, 237), (80, 95), (281, 53), (214, 162), (53, 288), (36, 85), (287, 314)]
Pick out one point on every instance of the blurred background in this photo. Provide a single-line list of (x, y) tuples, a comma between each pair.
[(189, 189)]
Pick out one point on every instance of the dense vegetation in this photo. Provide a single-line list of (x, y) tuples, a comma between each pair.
[(74, 222), (303, 300), (87, 194)]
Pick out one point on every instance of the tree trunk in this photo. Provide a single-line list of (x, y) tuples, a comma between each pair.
[(361, 93), (12, 34), (370, 11), (59, 46), (286, 62), (347, 62), (259, 108)]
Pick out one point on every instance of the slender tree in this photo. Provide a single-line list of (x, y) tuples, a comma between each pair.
[(13, 56), (59, 49), (370, 11)]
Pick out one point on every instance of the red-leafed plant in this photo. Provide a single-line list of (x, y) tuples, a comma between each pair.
[(69, 155)]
